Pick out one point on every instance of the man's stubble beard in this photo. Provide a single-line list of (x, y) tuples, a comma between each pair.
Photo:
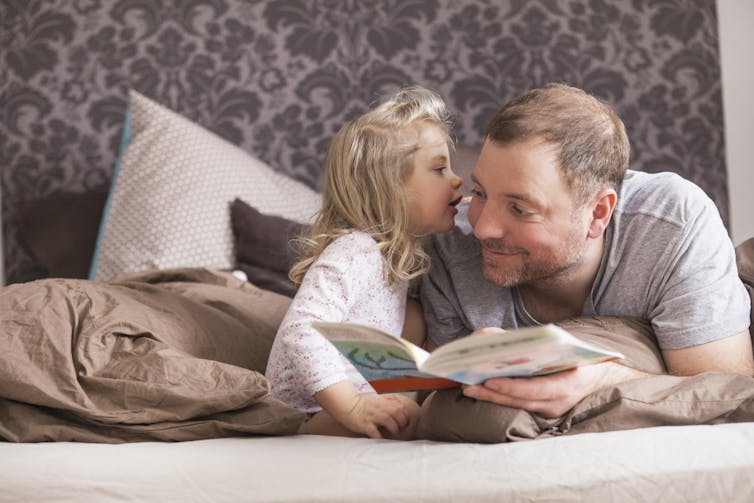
[(535, 268)]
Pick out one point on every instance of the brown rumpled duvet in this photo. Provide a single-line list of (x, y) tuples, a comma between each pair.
[(173, 355)]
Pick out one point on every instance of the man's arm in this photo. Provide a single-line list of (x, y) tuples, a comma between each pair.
[(731, 355), (552, 395)]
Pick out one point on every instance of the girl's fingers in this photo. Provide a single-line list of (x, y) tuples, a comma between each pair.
[(390, 424), (395, 408), (372, 431)]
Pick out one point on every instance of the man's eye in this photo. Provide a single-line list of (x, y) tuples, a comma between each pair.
[(518, 211), (477, 193)]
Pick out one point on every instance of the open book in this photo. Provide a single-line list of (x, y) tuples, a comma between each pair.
[(393, 364)]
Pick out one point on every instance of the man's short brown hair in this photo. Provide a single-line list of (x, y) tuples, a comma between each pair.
[(591, 140)]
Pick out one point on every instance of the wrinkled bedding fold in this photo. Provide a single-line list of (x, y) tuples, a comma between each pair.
[(172, 355)]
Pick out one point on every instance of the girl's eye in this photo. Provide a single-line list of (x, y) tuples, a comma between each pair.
[(440, 169)]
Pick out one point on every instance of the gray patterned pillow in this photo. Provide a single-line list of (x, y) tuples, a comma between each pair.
[(169, 202)]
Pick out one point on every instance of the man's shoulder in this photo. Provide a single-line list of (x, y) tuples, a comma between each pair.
[(663, 196), (639, 180)]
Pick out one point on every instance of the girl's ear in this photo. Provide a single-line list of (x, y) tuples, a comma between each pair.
[(602, 205)]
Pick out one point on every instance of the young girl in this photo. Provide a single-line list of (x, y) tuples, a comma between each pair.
[(387, 183)]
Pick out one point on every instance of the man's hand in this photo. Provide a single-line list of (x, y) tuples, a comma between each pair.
[(552, 395)]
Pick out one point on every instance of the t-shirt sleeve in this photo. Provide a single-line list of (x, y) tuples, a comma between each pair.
[(439, 303), (703, 298)]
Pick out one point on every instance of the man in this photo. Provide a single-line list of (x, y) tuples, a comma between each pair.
[(559, 228)]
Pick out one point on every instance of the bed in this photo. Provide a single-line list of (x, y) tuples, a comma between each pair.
[(186, 173), (648, 465)]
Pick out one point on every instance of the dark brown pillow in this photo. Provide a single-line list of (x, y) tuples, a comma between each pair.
[(59, 231), (263, 247)]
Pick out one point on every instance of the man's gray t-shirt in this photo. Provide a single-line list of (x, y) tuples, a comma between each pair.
[(667, 259)]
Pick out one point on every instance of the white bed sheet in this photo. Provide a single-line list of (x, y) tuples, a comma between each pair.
[(685, 463)]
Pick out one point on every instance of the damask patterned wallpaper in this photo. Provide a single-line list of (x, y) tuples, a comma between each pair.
[(280, 77)]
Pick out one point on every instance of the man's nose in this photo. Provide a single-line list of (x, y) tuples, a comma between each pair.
[(489, 224)]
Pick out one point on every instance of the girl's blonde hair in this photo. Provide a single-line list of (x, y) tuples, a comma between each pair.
[(366, 166)]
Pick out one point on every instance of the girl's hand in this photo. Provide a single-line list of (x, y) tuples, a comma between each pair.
[(391, 416), (375, 416)]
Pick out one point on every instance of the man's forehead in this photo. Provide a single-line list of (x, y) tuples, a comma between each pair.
[(525, 171)]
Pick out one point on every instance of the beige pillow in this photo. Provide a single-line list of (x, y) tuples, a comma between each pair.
[(448, 415), (169, 202)]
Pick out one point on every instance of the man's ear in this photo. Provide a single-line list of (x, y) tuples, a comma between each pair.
[(602, 206)]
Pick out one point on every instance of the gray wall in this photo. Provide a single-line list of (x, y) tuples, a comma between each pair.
[(279, 77), (736, 19)]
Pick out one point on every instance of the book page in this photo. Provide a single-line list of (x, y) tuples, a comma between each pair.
[(528, 351), (374, 353)]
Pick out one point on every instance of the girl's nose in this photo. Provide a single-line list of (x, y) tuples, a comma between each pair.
[(456, 181)]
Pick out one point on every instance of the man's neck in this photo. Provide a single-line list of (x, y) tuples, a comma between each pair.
[(563, 296)]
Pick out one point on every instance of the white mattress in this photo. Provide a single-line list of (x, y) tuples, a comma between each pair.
[(686, 463)]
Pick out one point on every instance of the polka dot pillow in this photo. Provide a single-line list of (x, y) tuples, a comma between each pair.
[(171, 193)]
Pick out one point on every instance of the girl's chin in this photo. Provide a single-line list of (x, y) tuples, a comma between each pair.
[(446, 228), (443, 223)]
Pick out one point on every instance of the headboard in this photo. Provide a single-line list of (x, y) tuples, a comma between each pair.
[(279, 77)]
